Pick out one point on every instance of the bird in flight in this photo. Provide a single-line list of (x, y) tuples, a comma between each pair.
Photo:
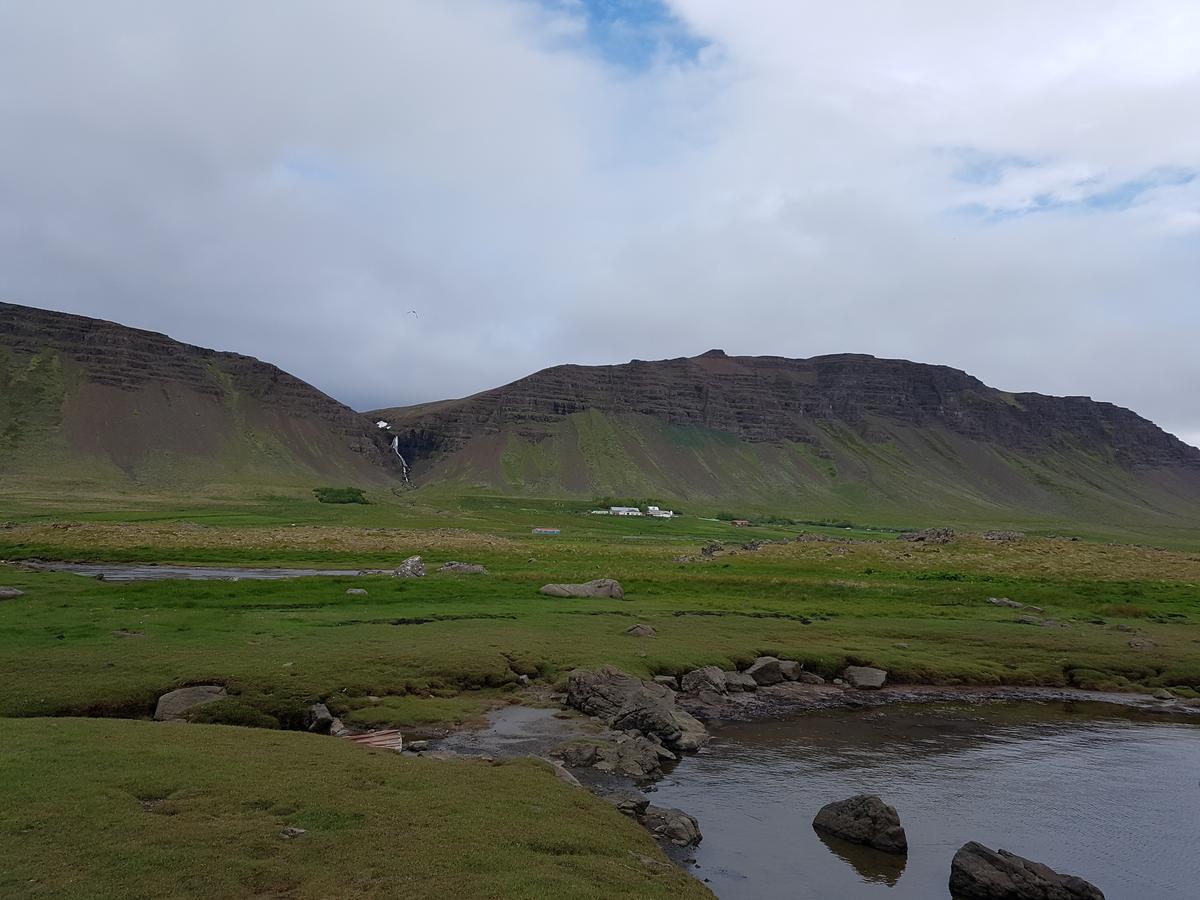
[(413, 313)]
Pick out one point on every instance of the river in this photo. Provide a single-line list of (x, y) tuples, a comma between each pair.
[(1089, 790)]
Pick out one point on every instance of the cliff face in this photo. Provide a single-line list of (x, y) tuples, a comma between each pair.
[(772, 399), (77, 387)]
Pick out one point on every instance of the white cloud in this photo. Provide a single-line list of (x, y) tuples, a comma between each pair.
[(288, 180)]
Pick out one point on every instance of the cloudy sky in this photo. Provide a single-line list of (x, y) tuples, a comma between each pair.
[(1009, 188)]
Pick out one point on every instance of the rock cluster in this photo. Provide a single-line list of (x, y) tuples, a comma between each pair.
[(629, 754), (978, 873), (671, 825), (763, 672), (601, 587), (929, 536), (1003, 536), (864, 819)]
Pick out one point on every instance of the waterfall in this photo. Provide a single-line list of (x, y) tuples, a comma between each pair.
[(400, 456)]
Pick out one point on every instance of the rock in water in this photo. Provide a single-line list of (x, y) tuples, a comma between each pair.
[(177, 704), (672, 825), (864, 819), (978, 873), (641, 630), (625, 702), (412, 567), (864, 677), (601, 587), (318, 719), (766, 670), (708, 678)]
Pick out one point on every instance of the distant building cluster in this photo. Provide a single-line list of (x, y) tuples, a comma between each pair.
[(654, 511)]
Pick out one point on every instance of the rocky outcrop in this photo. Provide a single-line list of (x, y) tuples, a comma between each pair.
[(600, 587), (318, 719), (672, 825), (461, 568), (10, 593), (864, 819), (626, 702), (630, 755), (929, 536), (978, 873), (864, 677), (175, 705), (413, 567)]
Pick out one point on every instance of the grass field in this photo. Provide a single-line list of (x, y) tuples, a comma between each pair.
[(419, 653)]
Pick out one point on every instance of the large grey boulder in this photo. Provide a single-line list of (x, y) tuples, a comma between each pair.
[(318, 719), (672, 825), (626, 702), (790, 669), (412, 567), (863, 819), (601, 587), (739, 682), (978, 873), (706, 678), (461, 568), (177, 704), (766, 670), (810, 678), (864, 677), (10, 593)]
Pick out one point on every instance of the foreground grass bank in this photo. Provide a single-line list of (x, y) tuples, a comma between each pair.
[(120, 809)]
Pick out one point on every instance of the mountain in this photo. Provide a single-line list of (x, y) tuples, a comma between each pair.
[(83, 401), (833, 435)]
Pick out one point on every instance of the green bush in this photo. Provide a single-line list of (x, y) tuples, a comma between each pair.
[(341, 495)]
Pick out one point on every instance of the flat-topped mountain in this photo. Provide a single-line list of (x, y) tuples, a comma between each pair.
[(827, 434), (91, 401)]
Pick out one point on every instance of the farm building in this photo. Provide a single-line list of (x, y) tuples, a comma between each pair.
[(625, 511), (659, 513)]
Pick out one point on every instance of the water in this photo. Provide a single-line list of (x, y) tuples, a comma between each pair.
[(1088, 791), (189, 573)]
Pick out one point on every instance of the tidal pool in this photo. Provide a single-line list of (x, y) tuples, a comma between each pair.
[(1109, 795)]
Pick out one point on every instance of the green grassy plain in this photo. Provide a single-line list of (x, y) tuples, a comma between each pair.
[(438, 651)]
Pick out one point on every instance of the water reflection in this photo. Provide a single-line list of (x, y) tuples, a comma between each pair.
[(871, 865)]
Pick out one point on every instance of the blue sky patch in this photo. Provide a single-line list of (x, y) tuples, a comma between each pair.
[(633, 34)]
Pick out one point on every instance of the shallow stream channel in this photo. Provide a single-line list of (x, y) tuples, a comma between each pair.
[(1108, 794)]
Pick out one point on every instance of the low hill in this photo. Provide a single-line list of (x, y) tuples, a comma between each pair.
[(845, 435), (86, 402)]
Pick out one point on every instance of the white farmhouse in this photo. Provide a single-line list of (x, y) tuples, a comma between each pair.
[(659, 513), (625, 511)]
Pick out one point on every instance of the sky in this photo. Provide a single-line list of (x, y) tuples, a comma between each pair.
[(405, 201)]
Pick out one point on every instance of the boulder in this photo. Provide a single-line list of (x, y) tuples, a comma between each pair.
[(766, 670), (863, 819), (356, 592), (667, 681), (461, 568), (625, 702), (810, 678), (978, 873), (417, 746), (706, 678), (318, 719), (864, 677), (601, 587), (10, 593), (790, 669), (1029, 620), (412, 567), (738, 682), (630, 804), (175, 705), (672, 825), (1004, 601), (641, 630)]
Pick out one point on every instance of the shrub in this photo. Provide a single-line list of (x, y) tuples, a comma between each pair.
[(340, 495)]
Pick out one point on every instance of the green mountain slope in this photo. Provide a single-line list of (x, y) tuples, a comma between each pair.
[(86, 403)]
